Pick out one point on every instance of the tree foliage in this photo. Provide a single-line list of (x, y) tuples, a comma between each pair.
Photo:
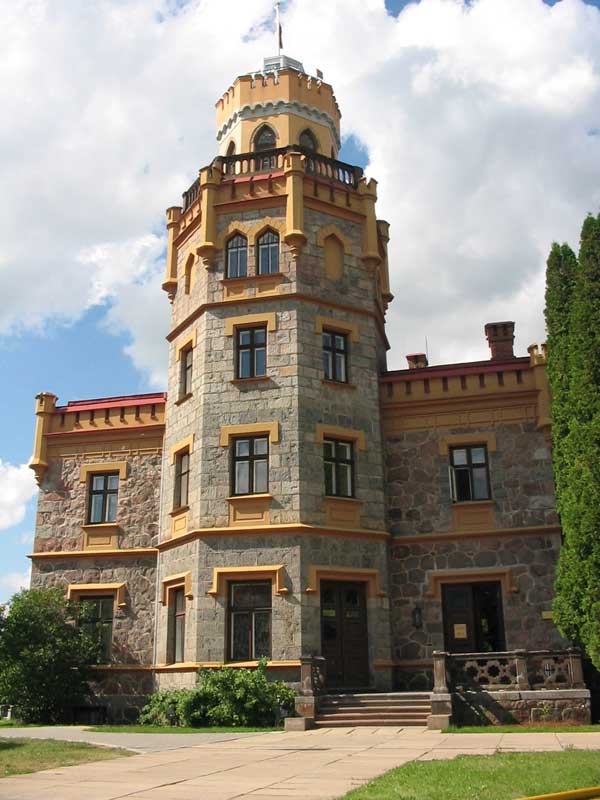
[(45, 656), (573, 321)]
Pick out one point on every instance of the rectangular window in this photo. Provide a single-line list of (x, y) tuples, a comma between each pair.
[(185, 376), (249, 620), (102, 501), (469, 473), (335, 356), (339, 468), (176, 626), (251, 352), (182, 474), (98, 622), (250, 465)]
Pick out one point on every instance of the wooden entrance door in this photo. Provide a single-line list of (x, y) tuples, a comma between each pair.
[(473, 621), (344, 640)]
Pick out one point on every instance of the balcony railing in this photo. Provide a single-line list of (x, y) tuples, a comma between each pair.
[(510, 670), (315, 164)]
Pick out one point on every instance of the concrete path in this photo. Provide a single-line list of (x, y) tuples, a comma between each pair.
[(270, 766)]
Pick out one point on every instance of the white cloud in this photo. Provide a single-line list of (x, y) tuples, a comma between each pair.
[(477, 118), (12, 582), (17, 488)]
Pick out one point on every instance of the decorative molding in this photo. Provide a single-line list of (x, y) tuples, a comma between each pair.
[(275, 572), (183, 444), (335, 324), (105, 466), (318, 573), (182, 579), (249, 429), (488, 438), (269, 318), (179, 523), (251, 230), (101, 536), (117, 553), (187, 344), (468, 575), (249, 509), (343, 512), (333, 230), (335, 432), (78, 590), (473, 515)]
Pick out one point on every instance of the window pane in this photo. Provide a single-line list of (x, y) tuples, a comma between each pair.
[(261, 447), (113, 482), (96, 508), (260, 361), (340, 342), (179, 600), (328, 448), (185, 462), (183, 493), (111, 508), (480, 483), (245, 337), (459, 457), (179, 638), (326, 339), (463, 484), (241, 624), (242, 473), (242, 263), (345, 479), (98, 483), (328, 364), (105, 636), (262, 634), (340, 367), (478, 455), (242, 447), (261, 476), (329, 478), (260, 336), (245, 364), (344, 450)]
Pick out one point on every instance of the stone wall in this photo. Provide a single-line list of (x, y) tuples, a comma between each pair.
[(508, 708)]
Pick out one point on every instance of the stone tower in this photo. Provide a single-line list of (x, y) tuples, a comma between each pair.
[(273, 535)]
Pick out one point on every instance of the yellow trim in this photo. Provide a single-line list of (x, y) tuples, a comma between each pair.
[(183, 444), (251, 230), (325, 431), (468, 575), (105, 466), (94, 534), (547, 615), (323, 573), (176, 582), (333, 230), (187, 344), (49, 554), (249, 429), (343, 512), (77, 590), (249, 509), (458, 439), (593, 793), (269, 318), (337, 325), (222, 574)]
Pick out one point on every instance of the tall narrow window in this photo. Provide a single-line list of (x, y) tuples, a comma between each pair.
[(182, 474), (250, 465), (251, 352), (176, 626), (249, 620), (97, 621), (267, 253), (338, 459), (185, 377), (335, 356), (189, 274), (102, 502), (308, 141), (469, 473), (237, 257), (264, 141)]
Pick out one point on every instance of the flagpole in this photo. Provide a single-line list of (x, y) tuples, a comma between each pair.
[(278, 27)]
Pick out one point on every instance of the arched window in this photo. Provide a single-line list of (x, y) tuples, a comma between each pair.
[(231, 149), (265, 139), (267, 253), (237, 256), (308, 141)]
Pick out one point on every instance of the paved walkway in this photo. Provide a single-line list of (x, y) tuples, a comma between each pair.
[(269, 766)]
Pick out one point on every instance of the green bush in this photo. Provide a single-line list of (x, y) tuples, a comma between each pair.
[(225, 696)]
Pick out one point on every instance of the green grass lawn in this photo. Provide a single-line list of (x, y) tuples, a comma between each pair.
[(505, 776), (173, 729), (19, 756), (523, 729)]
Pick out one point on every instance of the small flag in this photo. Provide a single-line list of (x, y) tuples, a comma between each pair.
[(279, 29)]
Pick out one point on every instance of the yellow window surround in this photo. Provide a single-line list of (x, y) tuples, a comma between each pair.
[(251, 230), (251, 429), (183, 444), (435, 580), (106, 466), (335, 432), (223, 574), (466, 439), (79, 590), (181, 580), (186, 344), (318, 573), (268, 318), (331, 323)]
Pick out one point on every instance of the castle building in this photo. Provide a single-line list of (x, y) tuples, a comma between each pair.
[(289, 497)]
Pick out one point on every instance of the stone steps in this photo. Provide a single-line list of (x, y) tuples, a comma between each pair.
[(371, 709)]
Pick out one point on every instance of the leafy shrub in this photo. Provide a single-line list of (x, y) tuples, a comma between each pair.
[(225, 696)]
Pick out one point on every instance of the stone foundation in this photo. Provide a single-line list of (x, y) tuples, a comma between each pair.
[(513, 707)]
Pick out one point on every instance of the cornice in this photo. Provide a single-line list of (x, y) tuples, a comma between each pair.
[(140, 552)]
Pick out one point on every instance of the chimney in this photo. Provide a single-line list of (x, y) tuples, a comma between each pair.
[(501, 337), (417, 361)]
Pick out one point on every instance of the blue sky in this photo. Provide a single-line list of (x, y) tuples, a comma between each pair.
[(94, 155)]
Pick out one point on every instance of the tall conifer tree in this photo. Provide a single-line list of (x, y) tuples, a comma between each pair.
[(575, 337)]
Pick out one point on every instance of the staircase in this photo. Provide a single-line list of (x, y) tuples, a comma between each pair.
[(351, 710)]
